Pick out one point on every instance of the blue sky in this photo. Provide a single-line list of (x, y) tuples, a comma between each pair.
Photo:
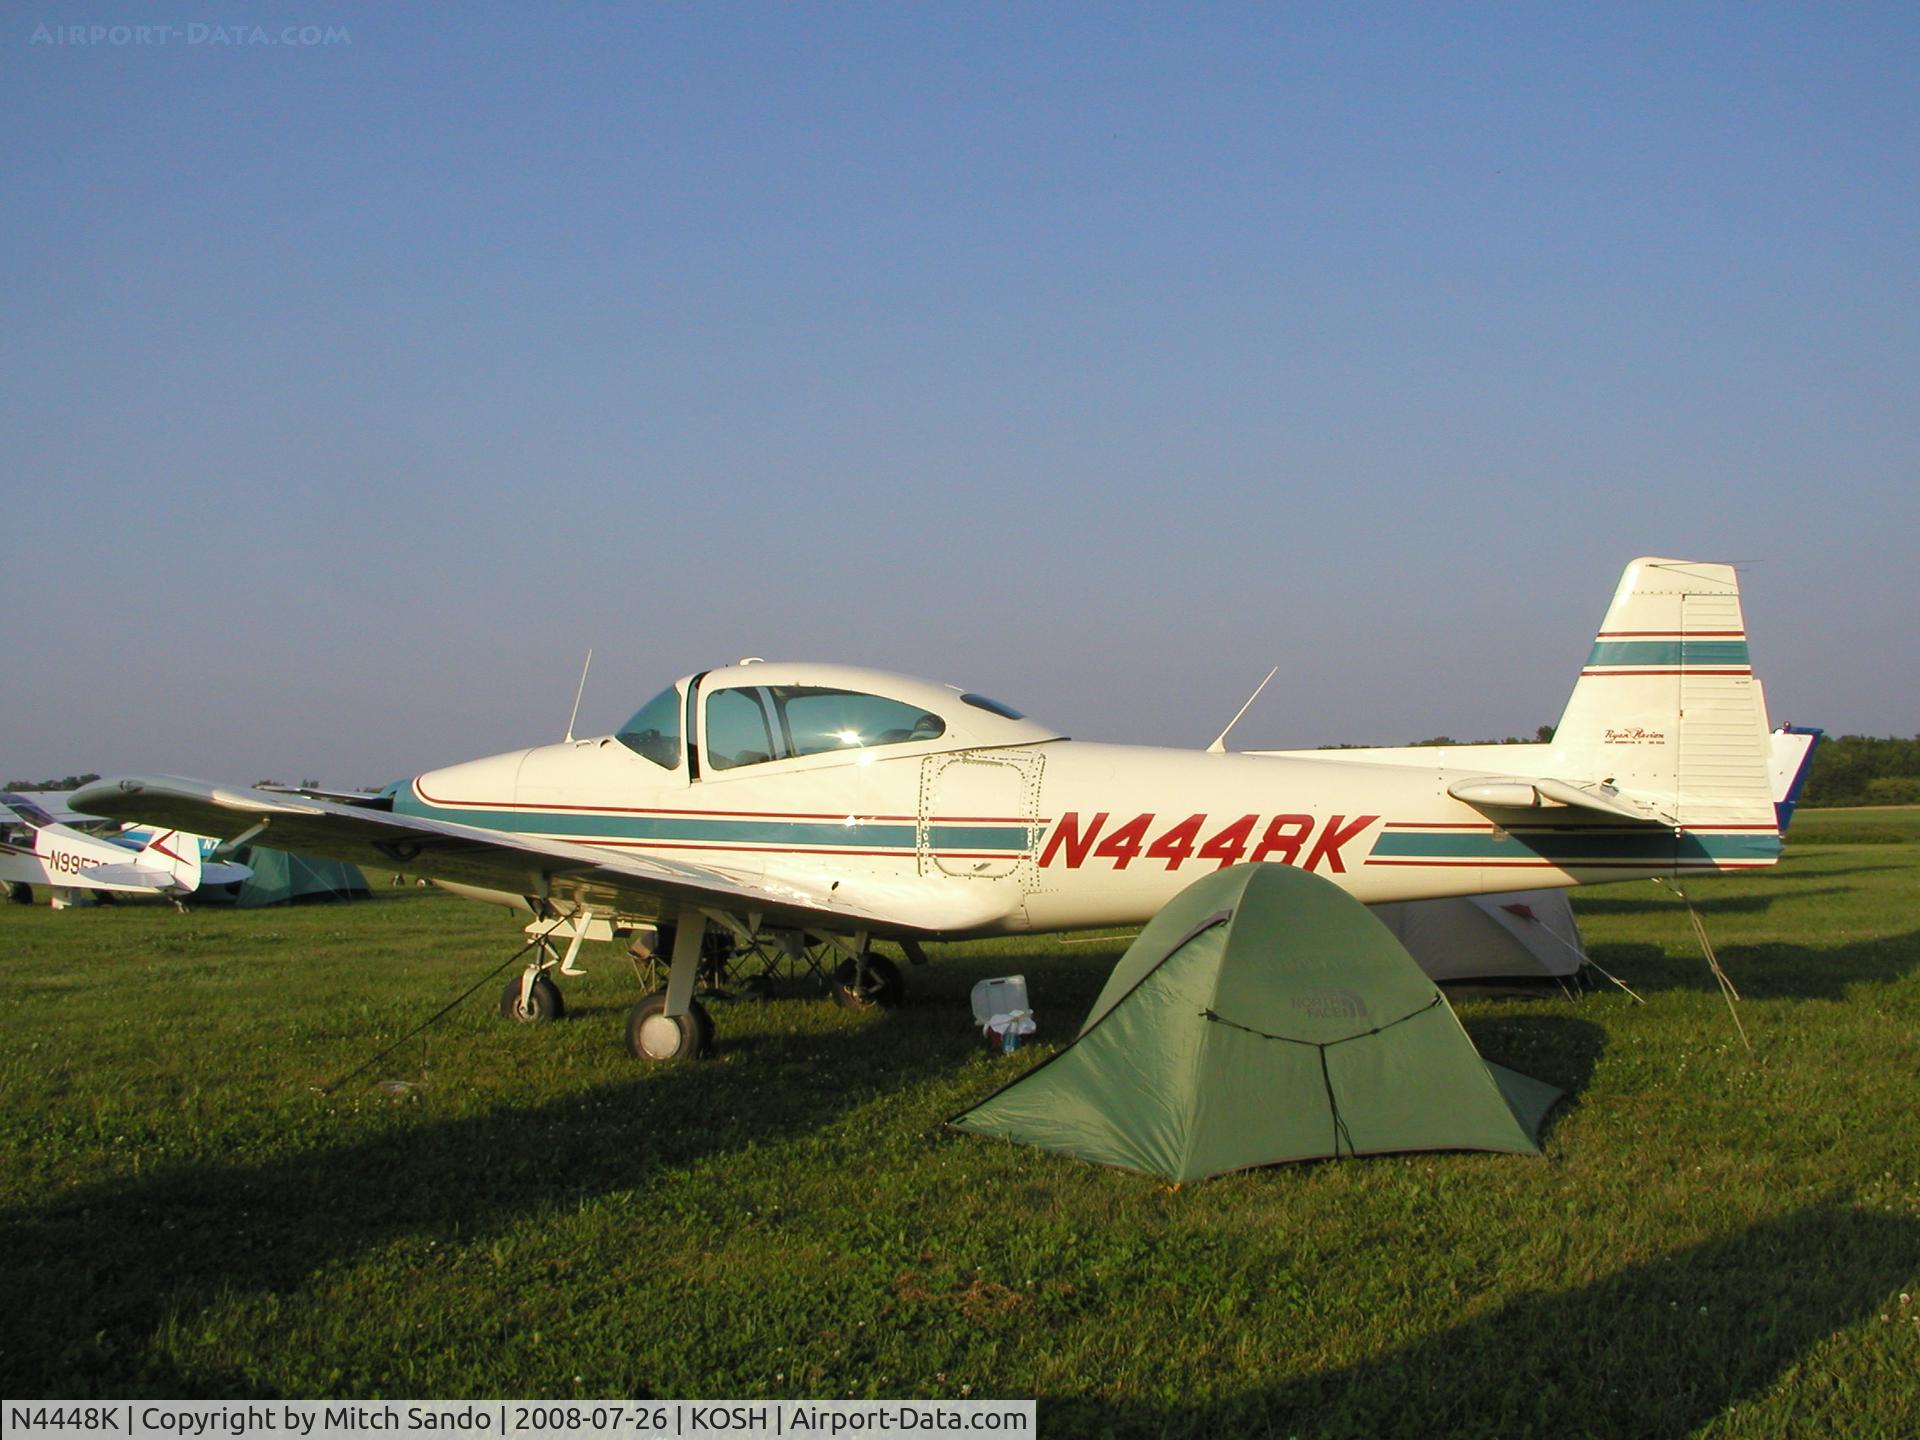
[(1094, 357)]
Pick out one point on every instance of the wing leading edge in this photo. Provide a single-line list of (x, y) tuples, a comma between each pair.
[(498, 860)]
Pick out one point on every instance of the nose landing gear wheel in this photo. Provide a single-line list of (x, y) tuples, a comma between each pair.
[(883, 984), (543, 1002), (654, 1035)]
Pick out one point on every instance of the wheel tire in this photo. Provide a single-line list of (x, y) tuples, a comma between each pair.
[(19, 892), (543, 1002), (884, 987), (652, 1035)]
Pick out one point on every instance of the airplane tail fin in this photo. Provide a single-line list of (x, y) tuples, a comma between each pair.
[(1667, 709), (29, 812), (177, 855), (1793, 747)]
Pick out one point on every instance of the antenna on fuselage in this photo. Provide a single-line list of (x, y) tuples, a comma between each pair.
[(580, 690), (1220, 741)]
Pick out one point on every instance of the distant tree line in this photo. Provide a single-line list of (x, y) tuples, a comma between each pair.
[(1541, 736), (65, 782), (1864, 770)]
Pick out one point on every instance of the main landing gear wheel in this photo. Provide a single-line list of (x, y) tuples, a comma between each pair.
[(19, 893), (543, 1002), (883, 985), (654, 1035)]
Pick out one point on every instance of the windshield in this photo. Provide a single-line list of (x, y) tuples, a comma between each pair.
[(654, 730), (753, 724)]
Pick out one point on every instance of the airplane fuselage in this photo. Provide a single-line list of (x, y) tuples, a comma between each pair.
[(1057, 834)]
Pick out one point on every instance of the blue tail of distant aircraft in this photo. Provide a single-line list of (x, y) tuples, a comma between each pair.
[(1793, 747)]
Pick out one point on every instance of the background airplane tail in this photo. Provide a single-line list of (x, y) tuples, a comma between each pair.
[(1667, 708), (29, 812), (175, 854)]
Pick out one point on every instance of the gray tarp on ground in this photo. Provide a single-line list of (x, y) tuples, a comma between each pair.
[(1523, 935)]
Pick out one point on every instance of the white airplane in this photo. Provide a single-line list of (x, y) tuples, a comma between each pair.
[(836, 806), (65, 859)]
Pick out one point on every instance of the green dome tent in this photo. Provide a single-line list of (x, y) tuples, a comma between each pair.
[(1263, 1016)]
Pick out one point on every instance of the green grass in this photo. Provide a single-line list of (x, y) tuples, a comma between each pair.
[(1717, 1242)]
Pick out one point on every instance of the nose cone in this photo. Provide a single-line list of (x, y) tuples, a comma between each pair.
[(472, 784)]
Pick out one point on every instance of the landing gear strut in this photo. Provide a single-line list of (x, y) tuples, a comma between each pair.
[(532, 997), (532, 1004), (670, 1024)]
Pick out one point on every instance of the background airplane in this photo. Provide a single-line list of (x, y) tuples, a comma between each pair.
[(65, 859), (802, 803)]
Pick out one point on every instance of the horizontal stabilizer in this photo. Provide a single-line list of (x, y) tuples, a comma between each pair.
[(1512, 793), (121, 877)]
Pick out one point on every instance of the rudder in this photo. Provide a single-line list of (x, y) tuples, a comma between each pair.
[(1667, 708), (178, 854)]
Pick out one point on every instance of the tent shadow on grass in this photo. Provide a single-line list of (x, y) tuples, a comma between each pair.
[(1559, 1049), (1659, 1348)]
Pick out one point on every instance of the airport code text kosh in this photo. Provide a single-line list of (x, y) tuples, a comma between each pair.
[(516, 1420)]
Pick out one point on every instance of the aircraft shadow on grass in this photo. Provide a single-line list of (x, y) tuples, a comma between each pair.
[(96, 1271), (1666, 903), (1659, 1348), (1767, 971)]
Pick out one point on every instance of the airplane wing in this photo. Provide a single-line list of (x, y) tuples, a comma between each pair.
[(532, 866)]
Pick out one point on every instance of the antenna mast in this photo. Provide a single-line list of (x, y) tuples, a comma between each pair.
[(1220, 741), (580, 690)]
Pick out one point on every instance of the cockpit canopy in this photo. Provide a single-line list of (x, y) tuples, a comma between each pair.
[(758, 713)]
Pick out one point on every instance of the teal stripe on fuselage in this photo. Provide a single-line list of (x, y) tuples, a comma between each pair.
[(979, 837), (1669, 653), (1572, 848), (698, 830)]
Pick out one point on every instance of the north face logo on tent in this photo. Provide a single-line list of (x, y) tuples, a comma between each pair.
[(1327, 1002)]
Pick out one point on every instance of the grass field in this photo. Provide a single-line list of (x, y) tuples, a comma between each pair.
[(1717, 1243)]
